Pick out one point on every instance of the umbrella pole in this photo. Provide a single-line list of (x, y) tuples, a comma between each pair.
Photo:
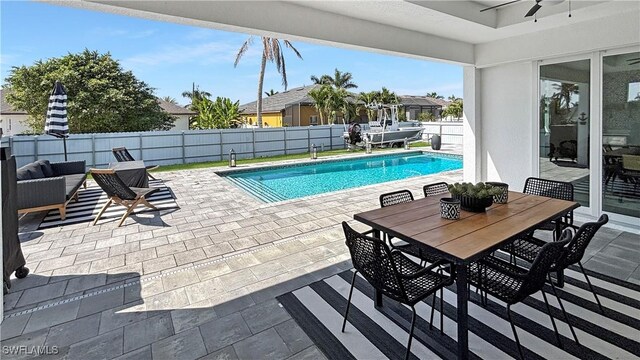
[(64, 141)]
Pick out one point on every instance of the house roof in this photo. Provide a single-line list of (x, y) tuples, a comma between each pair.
[(170, 108), (6, 108), (415, 100), (277, 102)]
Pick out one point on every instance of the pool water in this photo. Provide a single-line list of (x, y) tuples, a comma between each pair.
[(290, 182)]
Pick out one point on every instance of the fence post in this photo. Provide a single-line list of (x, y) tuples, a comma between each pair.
[(285, 141), (184, 156), (35, 147), (93, 150), (140, 144), (221, 146), (253, 138), (309, 138)]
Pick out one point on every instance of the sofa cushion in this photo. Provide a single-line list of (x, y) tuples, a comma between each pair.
[(23, 174), (47, 170), (34, 170), (73, 182)]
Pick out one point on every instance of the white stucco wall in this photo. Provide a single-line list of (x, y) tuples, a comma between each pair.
[(506, 146), (13, 124), (182, 123)]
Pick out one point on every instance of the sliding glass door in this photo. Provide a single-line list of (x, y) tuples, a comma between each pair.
[(564, 124), (621, 134)]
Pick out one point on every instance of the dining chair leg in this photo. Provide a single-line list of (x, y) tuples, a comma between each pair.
[(433, 309), (553, 321), (564, 313), (591, 288), (515, 334), (441, 312), (102, 211), (346, 313), (413, 323)]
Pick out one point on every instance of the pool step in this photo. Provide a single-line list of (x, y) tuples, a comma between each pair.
[(256, 189)]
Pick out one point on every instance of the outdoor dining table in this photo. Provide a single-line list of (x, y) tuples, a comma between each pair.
[(132, 173), (467, 239)]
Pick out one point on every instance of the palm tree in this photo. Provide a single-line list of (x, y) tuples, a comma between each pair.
[(563, 94), (196, 94), (170, 99), (365, 98), (453, 98), (320, 96), (271, 92), (386, 96), (339, 80), (434, 95), (271, 51), (322, 80)]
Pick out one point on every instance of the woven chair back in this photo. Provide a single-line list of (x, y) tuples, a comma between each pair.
[(122, 154), (111, 184), (396, 197), (580, 241), (549, 255), (436, 189), (550, 188), (372, 258)]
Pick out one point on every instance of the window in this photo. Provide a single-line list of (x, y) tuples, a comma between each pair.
[(313, 120), (634, 92)]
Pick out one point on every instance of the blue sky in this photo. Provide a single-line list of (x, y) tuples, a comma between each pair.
[(169, 57)]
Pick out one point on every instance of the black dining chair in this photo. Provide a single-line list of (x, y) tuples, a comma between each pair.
[(122, 154), (554, 189), (393, 274), (512, 284), (435, 189), (527, 248)]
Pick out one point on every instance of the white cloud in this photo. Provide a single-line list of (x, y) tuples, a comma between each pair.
[(115, 32)]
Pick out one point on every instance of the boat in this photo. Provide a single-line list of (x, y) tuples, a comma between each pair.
[(384, 131)]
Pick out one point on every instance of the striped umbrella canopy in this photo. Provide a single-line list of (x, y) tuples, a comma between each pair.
[(57, 123)]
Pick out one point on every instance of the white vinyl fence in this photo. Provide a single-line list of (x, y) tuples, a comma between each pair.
[(191, 146), (450, 132)]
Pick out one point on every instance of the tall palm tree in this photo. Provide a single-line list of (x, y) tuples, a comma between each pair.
[(365, 98), (434, 95), (196, 94), (339, 80), (271, 92), (322, 80), (170, 99), (271, 51)]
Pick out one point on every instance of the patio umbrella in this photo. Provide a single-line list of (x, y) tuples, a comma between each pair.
[(57, 124)]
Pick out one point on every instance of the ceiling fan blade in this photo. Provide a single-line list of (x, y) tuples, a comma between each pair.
[(635, 62), (500, 5), (633, 59), (534, 9)]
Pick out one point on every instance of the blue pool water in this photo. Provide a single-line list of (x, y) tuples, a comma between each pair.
[(291, 182)]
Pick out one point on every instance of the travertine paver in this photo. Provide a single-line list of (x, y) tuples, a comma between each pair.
[(201, 280)]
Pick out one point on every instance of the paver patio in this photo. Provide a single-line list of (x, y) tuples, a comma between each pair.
[(201, 281)]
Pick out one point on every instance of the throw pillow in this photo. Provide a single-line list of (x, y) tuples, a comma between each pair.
[(23, 174), (35, 171), (46, 168)]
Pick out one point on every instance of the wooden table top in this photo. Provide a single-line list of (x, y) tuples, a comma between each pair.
[(471, 236)]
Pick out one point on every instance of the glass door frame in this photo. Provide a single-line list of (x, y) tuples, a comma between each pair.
[(595, 128)]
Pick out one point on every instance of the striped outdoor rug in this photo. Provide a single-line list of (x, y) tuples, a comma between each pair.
[(91, 200), (615, 188), (382, 333)]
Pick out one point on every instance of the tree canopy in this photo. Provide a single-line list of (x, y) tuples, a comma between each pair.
[(102, 97), (339, 80)]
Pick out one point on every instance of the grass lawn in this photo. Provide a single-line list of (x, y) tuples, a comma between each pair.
[(202, 165)]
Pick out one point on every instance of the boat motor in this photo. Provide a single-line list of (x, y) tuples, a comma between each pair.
[(355, 135)]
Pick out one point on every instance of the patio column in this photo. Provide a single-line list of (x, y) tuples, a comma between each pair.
[(471, 125)]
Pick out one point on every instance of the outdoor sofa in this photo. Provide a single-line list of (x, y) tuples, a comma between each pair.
[(44, 186)]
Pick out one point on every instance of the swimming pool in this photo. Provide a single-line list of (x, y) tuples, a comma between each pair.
[(281, 183)]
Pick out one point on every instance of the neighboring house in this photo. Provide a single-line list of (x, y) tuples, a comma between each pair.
[(289, 108), (296, 108), (13, 121), (182, 114), (415, 105)]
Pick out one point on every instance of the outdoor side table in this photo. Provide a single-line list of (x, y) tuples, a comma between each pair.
[(132, 173)]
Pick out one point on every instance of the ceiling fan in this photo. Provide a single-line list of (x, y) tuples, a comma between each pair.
[(531, 11), (634, 61)]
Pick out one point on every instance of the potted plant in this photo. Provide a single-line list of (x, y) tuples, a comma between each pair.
[(474, 198)]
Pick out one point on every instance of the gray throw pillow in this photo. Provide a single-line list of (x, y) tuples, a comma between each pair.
[(47, 170), (35, 171), (23, 174)]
